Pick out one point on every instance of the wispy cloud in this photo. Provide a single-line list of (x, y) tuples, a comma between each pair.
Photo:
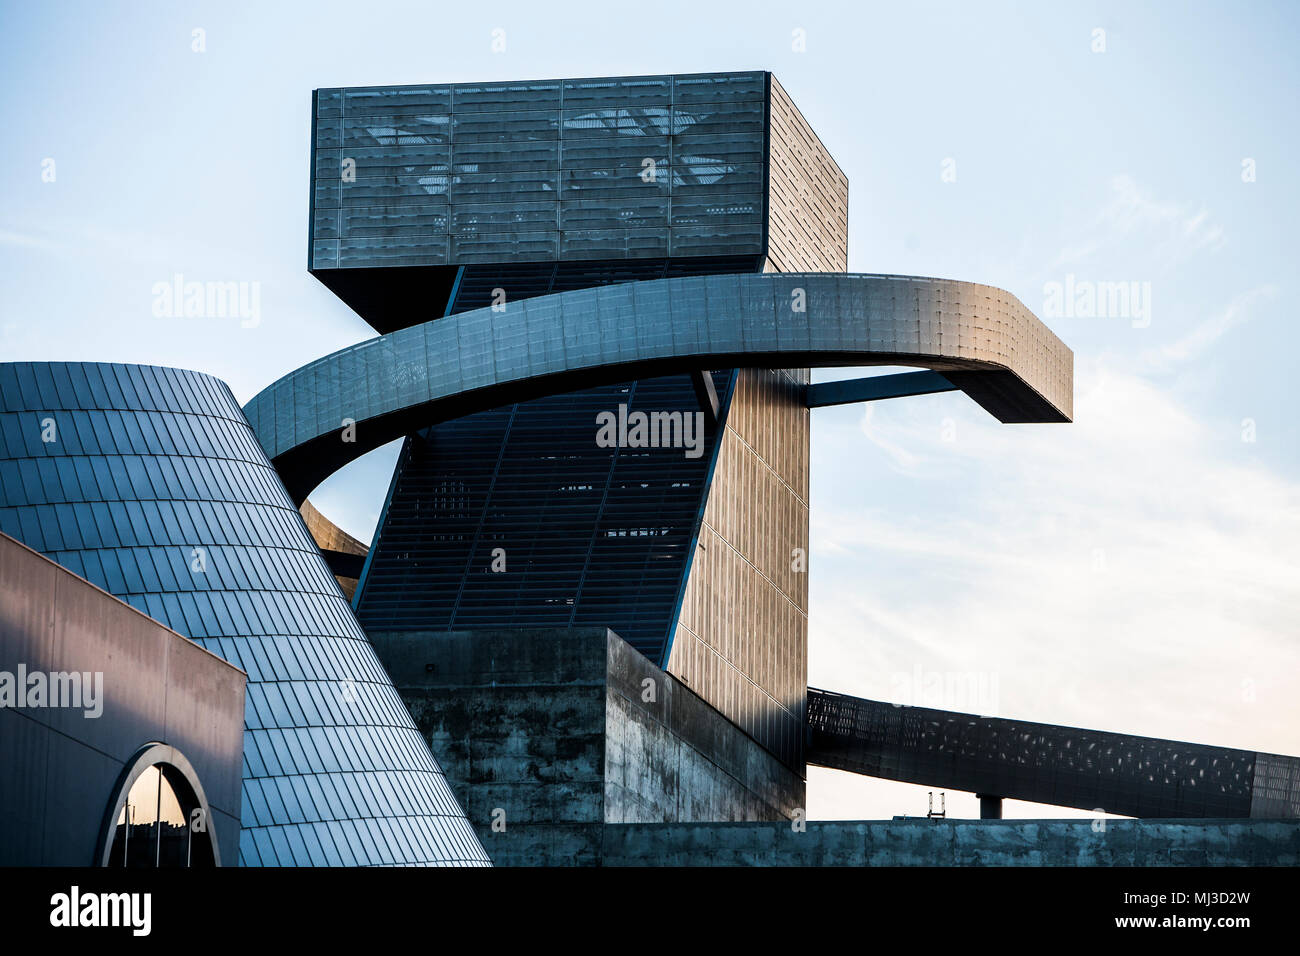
[(898, 455), (83, 237), (28, 241), (1172, 231), (1211, 330)]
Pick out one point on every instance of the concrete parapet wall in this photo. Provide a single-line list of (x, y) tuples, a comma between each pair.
[(956, 843)]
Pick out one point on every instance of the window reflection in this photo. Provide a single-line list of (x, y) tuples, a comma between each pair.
[(161, 825)]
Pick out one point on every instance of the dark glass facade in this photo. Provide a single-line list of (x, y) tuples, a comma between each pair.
[(546, 170), (516, 518), (149, 483), (475, 285)]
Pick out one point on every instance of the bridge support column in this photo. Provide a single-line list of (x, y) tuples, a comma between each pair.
[(990, 806)]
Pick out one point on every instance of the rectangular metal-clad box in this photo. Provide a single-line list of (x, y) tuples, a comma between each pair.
[(675, 174)]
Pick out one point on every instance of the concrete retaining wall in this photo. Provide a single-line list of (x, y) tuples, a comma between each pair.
[(957, 843), (553, 733)]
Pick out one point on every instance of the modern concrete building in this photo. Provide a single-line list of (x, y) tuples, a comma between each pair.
[(598, 302), (599, 249), (490, 194), (591, 246)]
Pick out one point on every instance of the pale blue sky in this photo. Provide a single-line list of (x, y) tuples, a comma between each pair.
[(1134, 571)]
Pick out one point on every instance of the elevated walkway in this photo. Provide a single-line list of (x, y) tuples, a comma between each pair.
[(1122, 774)]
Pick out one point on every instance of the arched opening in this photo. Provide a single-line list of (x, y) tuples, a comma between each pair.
[(159, 817)]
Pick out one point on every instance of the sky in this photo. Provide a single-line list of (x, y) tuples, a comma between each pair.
[(1136, 571)]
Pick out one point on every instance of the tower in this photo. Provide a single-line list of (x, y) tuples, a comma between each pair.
[(482, 195)]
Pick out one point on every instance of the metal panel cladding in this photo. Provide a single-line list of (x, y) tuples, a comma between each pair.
[(544, 170), (149, 483)]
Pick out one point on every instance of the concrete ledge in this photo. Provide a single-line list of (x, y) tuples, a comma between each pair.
[(957, 843)]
